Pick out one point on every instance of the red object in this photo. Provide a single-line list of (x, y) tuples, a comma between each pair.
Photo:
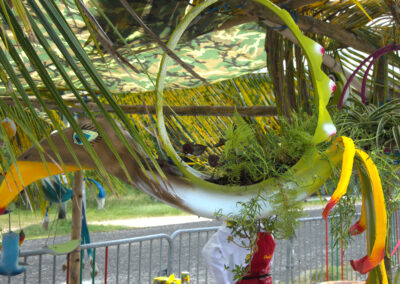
[(365, 264), (67, 282), (326, 249), (2, 210), (329, 207), (395, 248), (21, 237), (106, 266), (357, 229), (261, 262), (397, 233), (341, 255)]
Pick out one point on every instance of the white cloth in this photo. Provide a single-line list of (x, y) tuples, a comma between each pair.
[(218, 253), (100, 203)]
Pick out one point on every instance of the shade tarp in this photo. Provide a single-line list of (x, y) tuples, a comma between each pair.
[(212, 53)]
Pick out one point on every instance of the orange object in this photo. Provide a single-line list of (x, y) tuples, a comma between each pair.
[(9, 127), (27, 173), (21, 237)]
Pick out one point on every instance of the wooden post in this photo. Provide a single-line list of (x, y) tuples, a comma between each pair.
[(76, 227)]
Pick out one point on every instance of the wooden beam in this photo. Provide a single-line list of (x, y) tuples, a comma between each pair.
[(172, 110), (76, 228), (192, 110), (295, 4), (311, 25)]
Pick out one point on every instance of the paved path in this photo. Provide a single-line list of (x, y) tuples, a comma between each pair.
[(312, 210), (152, 221)]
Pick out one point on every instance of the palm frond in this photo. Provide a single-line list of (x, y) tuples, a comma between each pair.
[(67, 60)]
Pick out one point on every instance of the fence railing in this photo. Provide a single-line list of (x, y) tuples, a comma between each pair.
[(138, 260)]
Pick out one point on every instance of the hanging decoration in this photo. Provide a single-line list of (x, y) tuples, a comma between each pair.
[(55, 192), (9, 127), (9, 255), (11, 242), (101, 196)]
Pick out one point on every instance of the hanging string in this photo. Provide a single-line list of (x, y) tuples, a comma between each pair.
[(19, 213), (326, 249), (337, 261), (59, 196), (397, 233), (55, 231), (341, 255), (51, 225), (54, 225), (333, 249), (9, 221)]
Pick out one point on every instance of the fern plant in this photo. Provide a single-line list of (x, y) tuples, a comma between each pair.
[(243, 160), (250, 157)]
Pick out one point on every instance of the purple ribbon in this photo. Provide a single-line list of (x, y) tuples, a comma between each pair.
[(375, 55)]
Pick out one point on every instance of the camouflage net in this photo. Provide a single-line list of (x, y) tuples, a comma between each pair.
[(215, 55)]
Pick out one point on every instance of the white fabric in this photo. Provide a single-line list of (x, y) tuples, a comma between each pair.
[(100, 203), (218, 253)]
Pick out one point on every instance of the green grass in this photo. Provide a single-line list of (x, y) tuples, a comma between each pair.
[(133, 204), (63, 228)]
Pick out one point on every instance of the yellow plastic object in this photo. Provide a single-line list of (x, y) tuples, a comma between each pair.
[(23, 174), (347, 167), (376, 220), (167, 280), (373, 216)]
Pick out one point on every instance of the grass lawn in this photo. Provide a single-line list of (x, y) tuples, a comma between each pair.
[(62, 228), (130, 205), (133, 204)]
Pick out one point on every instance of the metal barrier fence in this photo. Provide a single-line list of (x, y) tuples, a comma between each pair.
[(138, 260)]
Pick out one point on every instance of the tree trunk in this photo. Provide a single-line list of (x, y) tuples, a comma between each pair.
[(289, 76), (76, 227), (380, 81), (303, 96), (275, 57)]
